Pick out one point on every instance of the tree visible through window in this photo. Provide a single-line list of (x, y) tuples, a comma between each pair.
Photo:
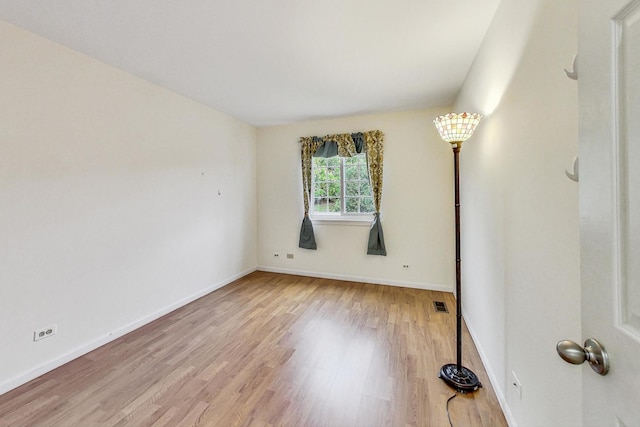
[(341, 186)]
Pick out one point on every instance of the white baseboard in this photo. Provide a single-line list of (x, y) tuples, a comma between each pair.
[(497, 388), (105, 339), (398, 283)]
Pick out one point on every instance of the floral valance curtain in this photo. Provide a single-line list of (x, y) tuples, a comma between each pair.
[(345, 145)]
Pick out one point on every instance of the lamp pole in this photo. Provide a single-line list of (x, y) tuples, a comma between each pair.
[(456, 168)]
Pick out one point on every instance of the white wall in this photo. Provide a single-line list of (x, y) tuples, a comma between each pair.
[(520, 211), (110, 213), (417, 205)]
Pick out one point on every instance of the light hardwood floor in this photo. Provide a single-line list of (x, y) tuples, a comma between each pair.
[(270, 350)]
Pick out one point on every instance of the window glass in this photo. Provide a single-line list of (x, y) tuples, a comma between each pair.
[(341, 186)]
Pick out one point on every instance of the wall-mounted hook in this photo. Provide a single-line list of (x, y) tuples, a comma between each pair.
[(573, 74), (575, 176)]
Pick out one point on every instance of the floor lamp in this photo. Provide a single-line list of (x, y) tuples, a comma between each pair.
[(455, 128)]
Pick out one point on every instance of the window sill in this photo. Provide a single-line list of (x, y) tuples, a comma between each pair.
[(360, 220)]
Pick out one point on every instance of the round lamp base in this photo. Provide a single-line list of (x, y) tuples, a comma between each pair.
[(463, 379)]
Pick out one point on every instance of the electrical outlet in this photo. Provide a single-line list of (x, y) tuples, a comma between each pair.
[(49, 331), (405, 266), (276, 255), (516, 385), (289, 256)]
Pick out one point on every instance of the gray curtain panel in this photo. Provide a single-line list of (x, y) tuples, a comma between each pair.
[(376, 245), (307, 238)]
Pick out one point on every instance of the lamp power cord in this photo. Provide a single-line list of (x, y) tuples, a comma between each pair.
[(449, 415)]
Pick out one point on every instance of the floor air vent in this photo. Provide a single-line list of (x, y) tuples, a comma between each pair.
[(440, 307)]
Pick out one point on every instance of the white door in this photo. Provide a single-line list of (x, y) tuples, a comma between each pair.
[(609, 98)]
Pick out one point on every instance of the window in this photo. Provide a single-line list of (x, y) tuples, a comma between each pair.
[(341, 187)]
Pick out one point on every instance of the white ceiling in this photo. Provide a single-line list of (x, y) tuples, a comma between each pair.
[(271, 62)]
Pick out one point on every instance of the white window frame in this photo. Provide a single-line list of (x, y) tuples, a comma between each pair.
[(338, 218)]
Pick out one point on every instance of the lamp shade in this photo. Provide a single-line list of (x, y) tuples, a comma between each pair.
[(457, 127)]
